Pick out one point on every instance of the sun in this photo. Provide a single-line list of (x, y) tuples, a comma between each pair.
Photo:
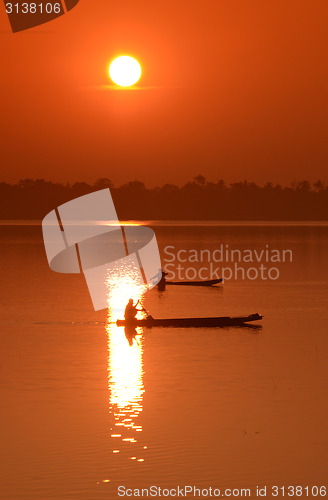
[(125, 71)]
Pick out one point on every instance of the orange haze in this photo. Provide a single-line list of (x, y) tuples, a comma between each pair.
[(233, 90)]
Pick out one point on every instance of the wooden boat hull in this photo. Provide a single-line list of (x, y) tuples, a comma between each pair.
[(191, 322), (195, 283)]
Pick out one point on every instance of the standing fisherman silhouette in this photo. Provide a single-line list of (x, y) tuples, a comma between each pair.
[(161, 285)]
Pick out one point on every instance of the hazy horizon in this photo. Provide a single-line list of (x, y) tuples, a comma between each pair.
[(228, 182)]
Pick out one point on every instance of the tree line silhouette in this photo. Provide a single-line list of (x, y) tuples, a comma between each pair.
[(196, 200)]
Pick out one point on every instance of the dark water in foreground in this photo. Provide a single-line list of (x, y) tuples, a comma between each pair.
[(83, 412)]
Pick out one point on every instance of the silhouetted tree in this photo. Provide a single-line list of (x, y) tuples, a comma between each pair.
[(200, 179), (103, 183), (319, 185)]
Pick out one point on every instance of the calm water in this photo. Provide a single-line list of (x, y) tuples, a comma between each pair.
[(83, 412)]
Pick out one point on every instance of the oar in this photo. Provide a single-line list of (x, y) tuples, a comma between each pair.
[(143, 309)]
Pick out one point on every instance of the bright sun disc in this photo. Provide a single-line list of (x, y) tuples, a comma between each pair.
[(125, 71)]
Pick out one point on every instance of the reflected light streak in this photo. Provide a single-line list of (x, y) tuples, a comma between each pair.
[(125, 376), (125, 365)]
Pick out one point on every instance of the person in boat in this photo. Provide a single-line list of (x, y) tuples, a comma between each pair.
[(131, 310), (161, 285)]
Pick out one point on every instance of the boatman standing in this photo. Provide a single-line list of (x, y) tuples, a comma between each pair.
[(161, 284)]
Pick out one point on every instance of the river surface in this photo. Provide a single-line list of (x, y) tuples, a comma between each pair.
[(83, 412)]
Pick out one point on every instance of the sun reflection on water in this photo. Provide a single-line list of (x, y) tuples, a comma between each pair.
[(125, 367)]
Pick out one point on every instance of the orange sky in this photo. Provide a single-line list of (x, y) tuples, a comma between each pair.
[(231, 89)]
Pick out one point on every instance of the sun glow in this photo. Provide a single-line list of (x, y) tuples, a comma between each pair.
[(125, 71)]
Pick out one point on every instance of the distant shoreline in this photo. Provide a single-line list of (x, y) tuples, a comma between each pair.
[(197, 200)]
